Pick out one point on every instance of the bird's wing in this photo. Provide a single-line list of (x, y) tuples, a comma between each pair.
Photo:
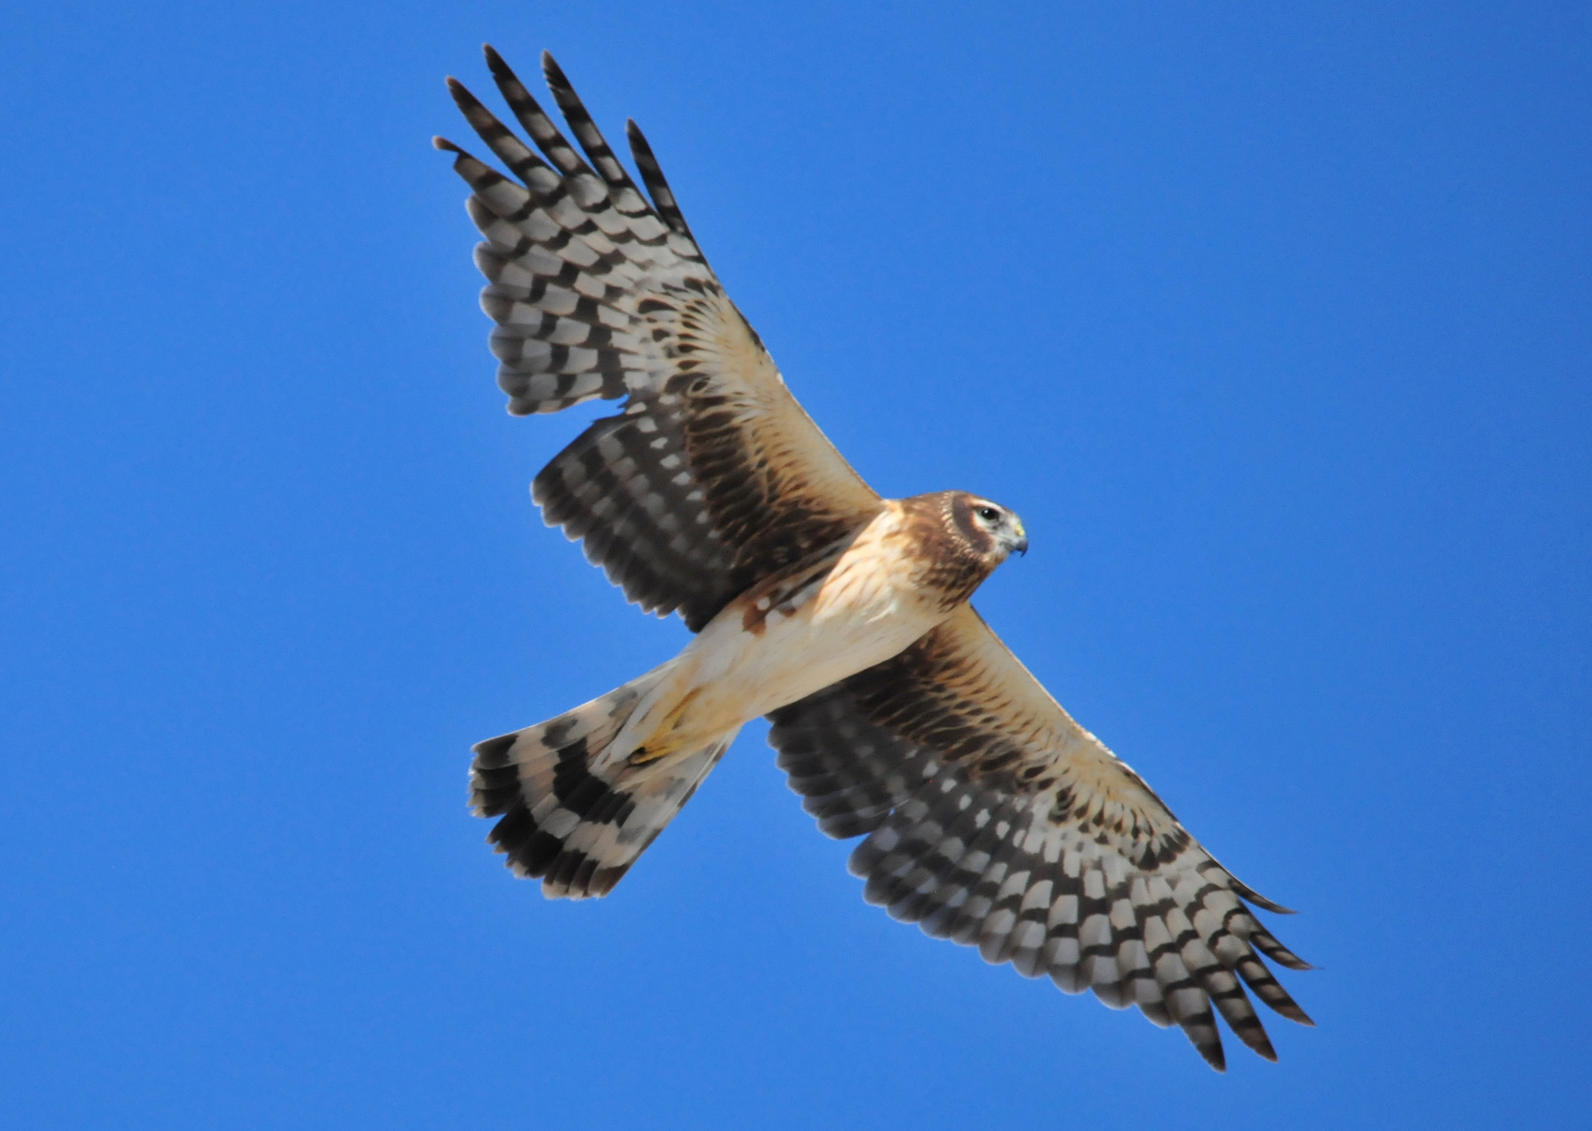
[(712, 477), (993, 818)]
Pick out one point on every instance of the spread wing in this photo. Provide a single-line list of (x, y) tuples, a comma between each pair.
[(712, 477), (993, 818)]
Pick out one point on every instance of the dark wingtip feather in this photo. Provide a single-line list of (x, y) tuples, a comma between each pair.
[(553, 72), (496, 64), (1215, 1055), (1252, 896), (1265, 904), (663, 199), (463, 99)]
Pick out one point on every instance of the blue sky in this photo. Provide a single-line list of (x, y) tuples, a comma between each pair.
[(1273, 326)]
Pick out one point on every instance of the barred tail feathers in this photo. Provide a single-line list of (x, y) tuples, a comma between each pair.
[(574, 812)]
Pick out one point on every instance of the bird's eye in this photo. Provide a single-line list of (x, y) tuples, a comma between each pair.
[(988, 514)]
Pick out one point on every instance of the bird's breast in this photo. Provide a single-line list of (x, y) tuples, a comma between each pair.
[(819, 622)]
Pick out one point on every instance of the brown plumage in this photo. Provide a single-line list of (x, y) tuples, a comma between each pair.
[(955, 552), (990, 816)]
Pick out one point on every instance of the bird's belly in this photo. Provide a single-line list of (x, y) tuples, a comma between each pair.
[(748, 665)]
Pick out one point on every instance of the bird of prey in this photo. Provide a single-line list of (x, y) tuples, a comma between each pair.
[(988, 815)]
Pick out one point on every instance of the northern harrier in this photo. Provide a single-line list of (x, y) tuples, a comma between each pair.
[(990, 817)]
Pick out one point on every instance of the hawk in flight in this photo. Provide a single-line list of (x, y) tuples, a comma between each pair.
[(988, 815)]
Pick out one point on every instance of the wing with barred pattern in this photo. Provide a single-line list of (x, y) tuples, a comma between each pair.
[(712, 477), (992, 818)]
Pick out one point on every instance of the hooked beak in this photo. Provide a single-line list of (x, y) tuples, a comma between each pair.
[(1018, 545)]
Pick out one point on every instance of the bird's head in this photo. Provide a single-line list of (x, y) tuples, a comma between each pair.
[(994, 531)]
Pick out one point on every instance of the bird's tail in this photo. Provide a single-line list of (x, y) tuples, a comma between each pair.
[(575, 811)]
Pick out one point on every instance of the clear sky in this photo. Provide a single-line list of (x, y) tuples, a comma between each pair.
[(1275, 327)]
